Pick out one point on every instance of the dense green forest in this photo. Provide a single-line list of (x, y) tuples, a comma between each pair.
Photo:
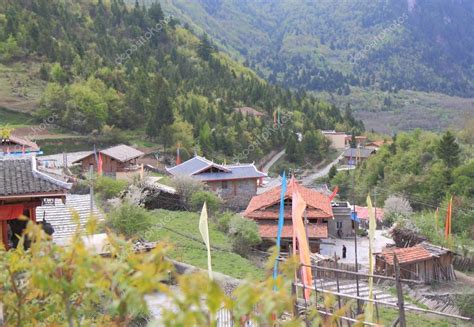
[(327, 45), (424, 168), (111, 66)]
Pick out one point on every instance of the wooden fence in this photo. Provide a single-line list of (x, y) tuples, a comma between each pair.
[(319, 273), (463, 263)]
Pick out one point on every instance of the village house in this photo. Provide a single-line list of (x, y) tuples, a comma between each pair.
[(23, 188), (424, 262), (235, 184), (342, 225), (17, 146), (376, 145), (354, 157), (337, 139), (119, 161), (264, 209)]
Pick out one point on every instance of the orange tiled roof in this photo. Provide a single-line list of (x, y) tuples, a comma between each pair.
[(318, 204), (269, 229), (406, 255), (363, 213)]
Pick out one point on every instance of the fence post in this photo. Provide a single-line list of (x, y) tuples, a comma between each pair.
[(401, 304)]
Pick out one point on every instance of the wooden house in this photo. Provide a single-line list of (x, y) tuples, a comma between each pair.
[(424, 262), (116, 161), (17, 146), (264, 209), (356, 156), (235, 184), (23, 188)]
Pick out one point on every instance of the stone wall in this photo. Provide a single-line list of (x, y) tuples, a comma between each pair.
[(236, 194)]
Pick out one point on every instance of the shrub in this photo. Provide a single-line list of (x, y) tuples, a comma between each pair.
[(223, 221), (108, 188), (212, 200), (396, 207), (244, 233), (129, 219), (186, 186), (465, 303)]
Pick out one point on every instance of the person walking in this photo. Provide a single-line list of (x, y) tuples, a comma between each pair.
[(344, 250)]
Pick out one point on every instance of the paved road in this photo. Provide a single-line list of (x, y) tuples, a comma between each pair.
[(272, 161), (321, 172)]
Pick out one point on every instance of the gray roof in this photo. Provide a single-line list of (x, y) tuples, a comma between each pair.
[(119, 152), (361, 153), (60, 215), (194, 167), (122, 152), (19, 176)]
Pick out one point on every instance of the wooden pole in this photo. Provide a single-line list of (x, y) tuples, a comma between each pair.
[(401, 304)]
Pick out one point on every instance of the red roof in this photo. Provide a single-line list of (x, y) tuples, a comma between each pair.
[(406, 255), (263, 206), (269, 229), (363, 213)]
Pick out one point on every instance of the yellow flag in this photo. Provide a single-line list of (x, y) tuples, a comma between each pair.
[(204, 229), (369, 311)]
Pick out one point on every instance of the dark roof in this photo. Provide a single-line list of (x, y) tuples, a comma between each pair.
[(19, 176), (196, 167), (119, 152), (358, 153)]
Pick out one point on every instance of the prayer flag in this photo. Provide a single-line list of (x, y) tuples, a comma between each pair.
[(281, 220), (99, 165), (204, 229), (334, 193), (369, 311), (299, 235), (447, 230)]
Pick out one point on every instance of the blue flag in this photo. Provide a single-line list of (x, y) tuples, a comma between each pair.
[(281, 220), (354, 216)]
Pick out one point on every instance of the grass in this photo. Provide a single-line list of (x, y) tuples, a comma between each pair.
[(388, 315), (14, 119), (193, 251)]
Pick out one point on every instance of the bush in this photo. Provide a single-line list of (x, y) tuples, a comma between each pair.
[(223, 221), (186, 186), (396, 208), (212, 200), (465, 303), (129, 219), (108, 188), (244, 233)]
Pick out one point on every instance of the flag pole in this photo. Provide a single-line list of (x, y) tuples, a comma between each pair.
[(355, 238)]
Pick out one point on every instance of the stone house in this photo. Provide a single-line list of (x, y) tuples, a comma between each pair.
[(235, 184), (342, 225)]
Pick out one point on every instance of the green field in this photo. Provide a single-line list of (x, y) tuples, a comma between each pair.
[(14, 119), (194, 252)]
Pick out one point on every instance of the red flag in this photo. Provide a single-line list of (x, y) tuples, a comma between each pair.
[(178, 157), (23, 149), (447, 230), (334, 193), (99, 165)]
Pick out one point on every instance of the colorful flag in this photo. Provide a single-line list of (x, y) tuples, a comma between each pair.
[(447, 230), (334, 193), (281, 220), (369, 310), (99, 165), (178, 157), (299, 235), (204, 229)]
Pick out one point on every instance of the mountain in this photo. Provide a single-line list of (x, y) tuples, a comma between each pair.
[(338, 47), (130, 73)]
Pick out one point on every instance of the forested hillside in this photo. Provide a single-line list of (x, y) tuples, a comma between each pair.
[(112, 67), (331, 45)]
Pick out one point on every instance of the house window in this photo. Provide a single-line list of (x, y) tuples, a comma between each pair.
[(225, 185), (339, 224)]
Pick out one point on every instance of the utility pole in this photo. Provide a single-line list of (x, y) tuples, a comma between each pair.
[(356, 228)]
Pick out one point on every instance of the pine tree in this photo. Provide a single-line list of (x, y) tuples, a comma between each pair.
[(205, 48), (448, 150)]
